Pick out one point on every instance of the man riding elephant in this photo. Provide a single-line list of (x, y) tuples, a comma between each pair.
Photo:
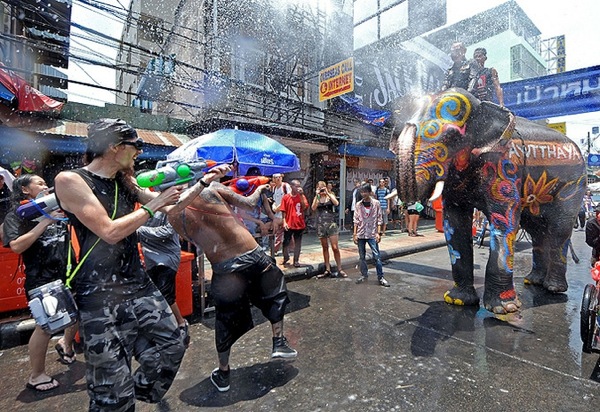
[(519, 173)]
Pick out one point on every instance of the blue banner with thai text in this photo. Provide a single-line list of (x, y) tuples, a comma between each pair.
[(567, 93)]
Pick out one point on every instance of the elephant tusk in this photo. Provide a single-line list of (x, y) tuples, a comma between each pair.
[(437, 191)]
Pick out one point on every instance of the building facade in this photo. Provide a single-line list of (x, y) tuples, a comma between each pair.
[(35, 41)]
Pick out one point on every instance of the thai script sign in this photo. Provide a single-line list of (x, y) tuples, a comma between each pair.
[(336, 80), (572, 92)]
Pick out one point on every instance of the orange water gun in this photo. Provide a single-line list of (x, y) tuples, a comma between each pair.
[(246, 185)]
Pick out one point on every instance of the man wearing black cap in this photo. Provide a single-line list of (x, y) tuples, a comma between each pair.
[(122, 313), (487, 83), (592, 235)]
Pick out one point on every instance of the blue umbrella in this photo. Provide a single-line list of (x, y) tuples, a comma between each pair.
[(248, 149)]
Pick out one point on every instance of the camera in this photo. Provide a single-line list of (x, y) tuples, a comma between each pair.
[(322, 190)]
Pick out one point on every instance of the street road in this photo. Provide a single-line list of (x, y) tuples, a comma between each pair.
[(369, 348)]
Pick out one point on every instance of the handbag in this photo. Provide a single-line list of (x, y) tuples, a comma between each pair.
[(53, 307), (419, 207)]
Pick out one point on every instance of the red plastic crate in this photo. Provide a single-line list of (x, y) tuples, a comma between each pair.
[(12, 282), (183, 285)]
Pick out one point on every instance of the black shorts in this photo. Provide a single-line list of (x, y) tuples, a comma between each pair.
[(251, 278)]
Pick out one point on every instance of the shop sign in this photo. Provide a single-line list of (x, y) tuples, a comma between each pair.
[(336, 80)]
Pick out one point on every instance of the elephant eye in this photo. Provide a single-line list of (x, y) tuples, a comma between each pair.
[(453, 137)]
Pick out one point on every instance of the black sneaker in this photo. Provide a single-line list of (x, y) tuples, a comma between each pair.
[(220, 379), (362, 279), (281, 349), (383, 282), (185, 334)]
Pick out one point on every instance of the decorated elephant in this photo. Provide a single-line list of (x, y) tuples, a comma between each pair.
[(519, 173)]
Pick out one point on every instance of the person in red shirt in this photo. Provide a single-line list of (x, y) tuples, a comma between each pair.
[(292, 207)]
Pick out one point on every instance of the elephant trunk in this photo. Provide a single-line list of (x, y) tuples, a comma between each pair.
[(405, 151)]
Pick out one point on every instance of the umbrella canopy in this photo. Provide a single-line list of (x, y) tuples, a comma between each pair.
[(248, 149)]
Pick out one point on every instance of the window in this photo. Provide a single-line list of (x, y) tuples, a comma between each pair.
[(393, 20), (150, 29), (376, 19), (247, 65), (364, 9), (365, 33), (523, 64)]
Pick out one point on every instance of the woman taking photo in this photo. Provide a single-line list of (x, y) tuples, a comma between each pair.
[(324, 205), (43, 247)]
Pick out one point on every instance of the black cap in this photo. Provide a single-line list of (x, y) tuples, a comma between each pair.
[(111, 129), (104, 132)]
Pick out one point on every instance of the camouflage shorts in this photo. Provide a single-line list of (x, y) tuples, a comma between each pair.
[(143, 327), (327, 229)]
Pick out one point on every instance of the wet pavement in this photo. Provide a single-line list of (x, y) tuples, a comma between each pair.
[(369, 348)]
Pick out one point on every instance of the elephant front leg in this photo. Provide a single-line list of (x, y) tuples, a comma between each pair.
[(458, 232), (500, 295)]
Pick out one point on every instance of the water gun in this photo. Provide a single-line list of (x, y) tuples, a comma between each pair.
[(171, 173), (246, 185), (38, 208)]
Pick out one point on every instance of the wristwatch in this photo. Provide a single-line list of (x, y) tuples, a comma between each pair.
[(203, 183)]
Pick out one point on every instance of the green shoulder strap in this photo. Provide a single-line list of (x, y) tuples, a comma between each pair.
[(71, 275)]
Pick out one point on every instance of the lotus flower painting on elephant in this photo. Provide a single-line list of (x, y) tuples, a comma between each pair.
[(519, 173)]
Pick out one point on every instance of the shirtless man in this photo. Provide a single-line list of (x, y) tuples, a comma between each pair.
[(242, 272)]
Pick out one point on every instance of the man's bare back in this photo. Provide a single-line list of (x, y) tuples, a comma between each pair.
[(210, 223)]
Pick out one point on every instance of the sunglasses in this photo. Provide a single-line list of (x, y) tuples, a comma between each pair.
[(138, 144)]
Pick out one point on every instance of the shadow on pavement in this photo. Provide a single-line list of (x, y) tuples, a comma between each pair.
[(441, 321), (421, 270), (67, 380), (534, 296), (247, 383)]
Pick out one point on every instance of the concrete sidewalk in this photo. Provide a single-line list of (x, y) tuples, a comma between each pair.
[(394, 244), (16, 330)]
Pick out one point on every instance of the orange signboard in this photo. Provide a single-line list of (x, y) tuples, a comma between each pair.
[(336, 80)]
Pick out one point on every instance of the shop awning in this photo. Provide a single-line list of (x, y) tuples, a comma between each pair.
[(67, 137), (365, 151)]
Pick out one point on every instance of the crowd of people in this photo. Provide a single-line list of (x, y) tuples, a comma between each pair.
[(126, 299)]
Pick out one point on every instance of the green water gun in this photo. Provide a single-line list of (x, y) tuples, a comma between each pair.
[(172, 173)]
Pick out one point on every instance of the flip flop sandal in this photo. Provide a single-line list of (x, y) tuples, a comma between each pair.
[(342, 274), (324, 275), (65, 358), (37, 386)]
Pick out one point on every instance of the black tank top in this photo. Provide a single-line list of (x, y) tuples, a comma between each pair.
[(484, 87), (111, 274), (325, 212)]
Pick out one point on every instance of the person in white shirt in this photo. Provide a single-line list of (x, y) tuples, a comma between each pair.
[(280, 188)]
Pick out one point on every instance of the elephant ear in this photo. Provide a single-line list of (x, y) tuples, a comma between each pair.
[(491, 127)]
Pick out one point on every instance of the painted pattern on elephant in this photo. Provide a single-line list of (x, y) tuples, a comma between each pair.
[(518, 173)]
